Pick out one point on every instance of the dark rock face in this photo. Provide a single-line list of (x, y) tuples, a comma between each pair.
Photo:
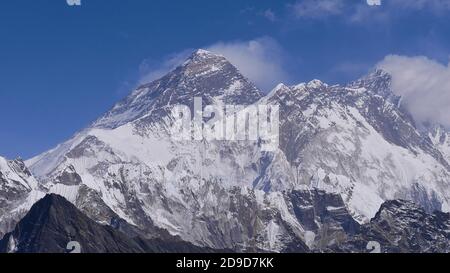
[(316, 209), (69, 177), (323, 214), (53, 222), (401, 226)]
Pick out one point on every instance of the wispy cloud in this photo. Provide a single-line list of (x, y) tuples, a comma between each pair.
[(269, 15), (360, 10), (261, 60), (151, 70), (424, 85), (434, 5), (315, 9)]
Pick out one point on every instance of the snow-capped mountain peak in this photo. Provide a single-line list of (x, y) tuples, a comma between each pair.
[(14, 174), (315, 84), (204, 74), (18, 192), (351, 141), (378, 82)]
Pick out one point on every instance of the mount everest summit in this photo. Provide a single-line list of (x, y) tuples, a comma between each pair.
[(351, 161)]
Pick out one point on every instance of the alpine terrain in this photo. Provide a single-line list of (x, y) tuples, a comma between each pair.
[(352, 167)]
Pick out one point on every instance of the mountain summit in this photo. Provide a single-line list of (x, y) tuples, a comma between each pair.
[(353, 147), (203, 74)]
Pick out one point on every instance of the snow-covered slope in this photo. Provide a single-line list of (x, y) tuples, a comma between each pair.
[(355, 141), (131, 165), (441, 139), (18, 192)]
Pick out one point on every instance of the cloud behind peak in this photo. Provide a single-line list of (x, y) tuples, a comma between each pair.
[(424, 85), (261, 60)]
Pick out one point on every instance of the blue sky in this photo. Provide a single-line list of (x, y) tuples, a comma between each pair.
[(63, 66)]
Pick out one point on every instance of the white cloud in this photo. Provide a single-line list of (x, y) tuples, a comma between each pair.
[(435, 5), (151, 71), (363, 12), (424, 85), (261, 60), (317, 8), (270, 15), (360, 10)]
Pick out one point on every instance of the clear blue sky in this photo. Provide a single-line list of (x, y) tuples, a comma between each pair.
[(61, 67)]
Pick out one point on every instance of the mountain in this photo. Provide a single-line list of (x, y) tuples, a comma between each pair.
[(361, 143), (402, 227), (204, 75), (440, 137), (53, 222), (128, 163), (344, 151), (18, 192)]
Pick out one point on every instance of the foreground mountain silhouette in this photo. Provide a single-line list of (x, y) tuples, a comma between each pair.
[(53, 222), (399, 226)]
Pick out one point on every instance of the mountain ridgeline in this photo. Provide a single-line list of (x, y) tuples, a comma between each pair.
[(352, 167), (53, 222)]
